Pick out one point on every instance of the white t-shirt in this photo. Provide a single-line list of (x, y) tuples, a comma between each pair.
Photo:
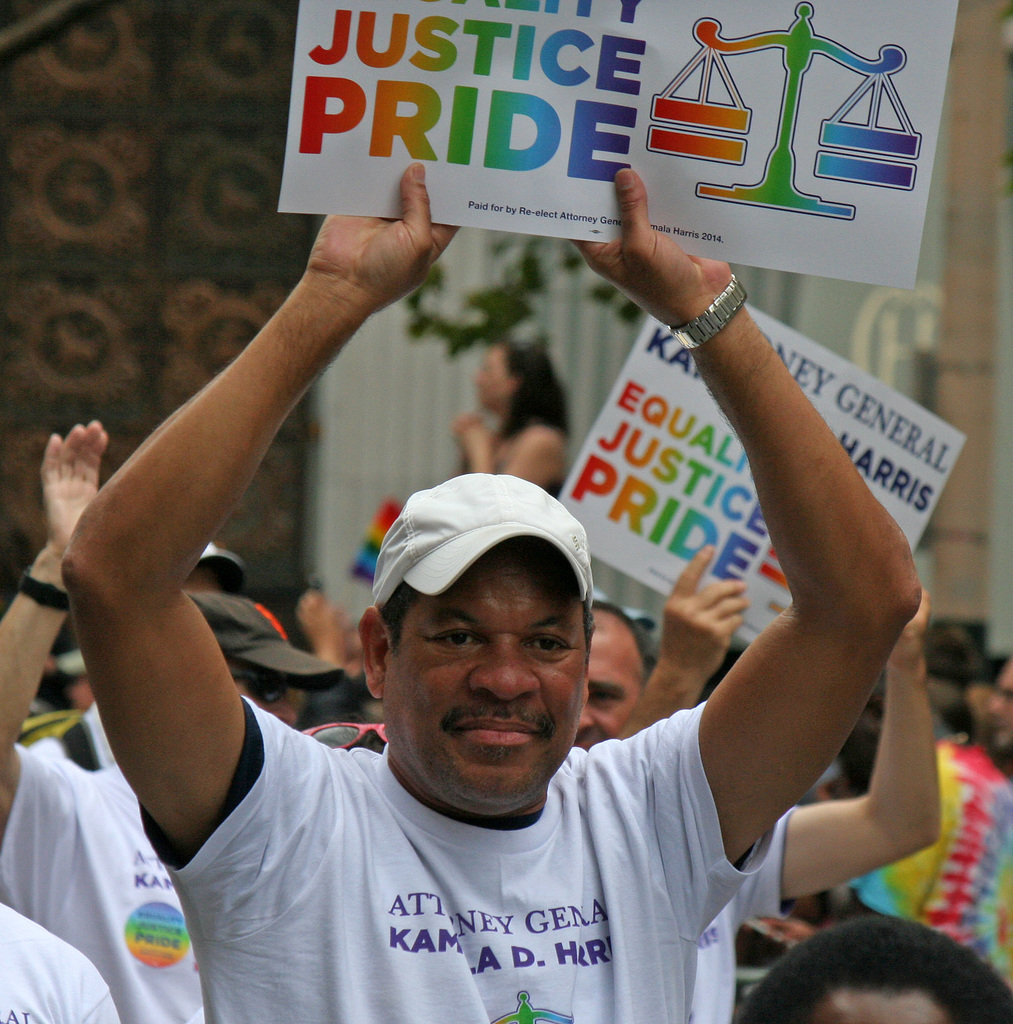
[(759, 896), (76, 860), (45, 981), (330, 894)]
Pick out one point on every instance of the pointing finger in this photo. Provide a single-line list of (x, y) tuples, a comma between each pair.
[(687, 583)]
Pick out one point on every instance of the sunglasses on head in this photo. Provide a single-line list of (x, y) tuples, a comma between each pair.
[(261, 683), (346, 735)]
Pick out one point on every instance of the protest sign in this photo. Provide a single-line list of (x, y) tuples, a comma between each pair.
[(797, 136), (661, 473)]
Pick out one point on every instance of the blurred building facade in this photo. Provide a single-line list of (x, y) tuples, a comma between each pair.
[(141, 145)]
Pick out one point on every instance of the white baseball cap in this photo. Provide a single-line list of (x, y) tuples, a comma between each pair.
[(443, 531)]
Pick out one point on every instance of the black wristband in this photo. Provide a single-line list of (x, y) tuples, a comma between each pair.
[(46, 594)]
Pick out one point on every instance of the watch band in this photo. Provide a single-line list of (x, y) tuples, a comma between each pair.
[(703, 327), (45, 594)]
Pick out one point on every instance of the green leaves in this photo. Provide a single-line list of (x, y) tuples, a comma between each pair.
[(509, 306)]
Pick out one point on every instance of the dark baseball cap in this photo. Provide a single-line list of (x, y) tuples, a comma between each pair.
[(249, 632)]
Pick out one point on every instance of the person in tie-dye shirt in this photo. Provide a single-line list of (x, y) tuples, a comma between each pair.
[(963, 884)]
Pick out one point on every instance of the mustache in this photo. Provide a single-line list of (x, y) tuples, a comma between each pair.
[(542, 724)]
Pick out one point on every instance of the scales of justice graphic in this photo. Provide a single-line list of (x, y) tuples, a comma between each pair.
[(859, 143)]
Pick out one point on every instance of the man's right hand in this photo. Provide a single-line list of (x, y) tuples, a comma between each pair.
[(367, 263)]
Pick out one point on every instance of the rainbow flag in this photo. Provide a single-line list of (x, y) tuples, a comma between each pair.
[(364, 566)]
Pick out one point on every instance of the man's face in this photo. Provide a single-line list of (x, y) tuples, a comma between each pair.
[(615, 680), (999, 725), (483, 693)]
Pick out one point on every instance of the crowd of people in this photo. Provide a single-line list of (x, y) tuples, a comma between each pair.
[(549, 823)]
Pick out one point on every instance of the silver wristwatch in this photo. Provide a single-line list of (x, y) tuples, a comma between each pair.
[(703, 327)]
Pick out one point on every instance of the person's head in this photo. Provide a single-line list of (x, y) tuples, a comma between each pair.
[(879, 970), (217, 570), (617, 671), (517, 383), (264, 665), (858, 754), (951, 654), (77, 690), (998, 725), (477, 643), (954, 663)]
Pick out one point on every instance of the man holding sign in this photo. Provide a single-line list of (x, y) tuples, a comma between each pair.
[(478, 870)]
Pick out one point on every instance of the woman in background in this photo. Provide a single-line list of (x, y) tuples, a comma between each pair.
[(519, 389)]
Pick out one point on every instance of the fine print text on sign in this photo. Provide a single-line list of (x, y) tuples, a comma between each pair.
[(797, 136), (661, 473)]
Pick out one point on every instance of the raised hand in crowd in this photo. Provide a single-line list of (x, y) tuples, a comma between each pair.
[(70, 480), (331, 633), (697, 627)]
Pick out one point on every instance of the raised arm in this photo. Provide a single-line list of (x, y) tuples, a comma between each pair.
[(324, 625), (832, 842), (697, 626), (785, 708), (478, 444), (70, 475), (169, 704)]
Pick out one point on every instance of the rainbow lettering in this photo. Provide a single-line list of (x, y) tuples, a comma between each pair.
[(674, 478), (418, 116), (156, 934)]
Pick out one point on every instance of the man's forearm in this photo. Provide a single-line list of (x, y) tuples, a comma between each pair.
[(903, 797), (819, 511), (27, 632), (845, 559), (187, 477)]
